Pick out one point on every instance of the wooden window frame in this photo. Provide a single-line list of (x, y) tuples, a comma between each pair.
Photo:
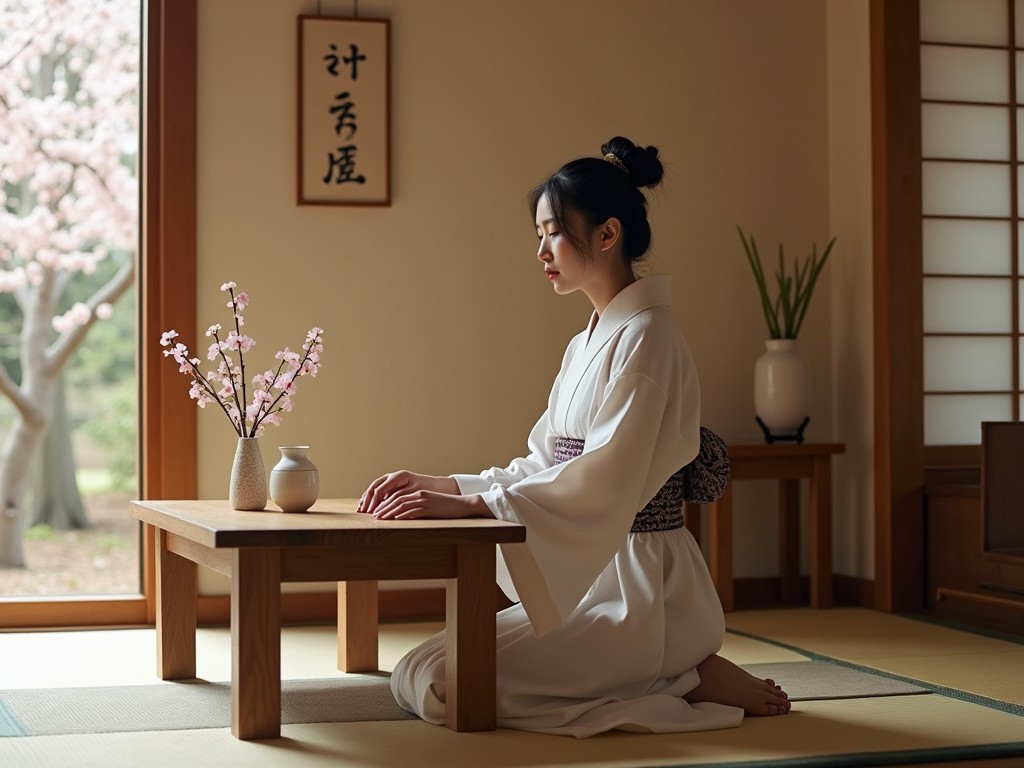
[(901, 459)]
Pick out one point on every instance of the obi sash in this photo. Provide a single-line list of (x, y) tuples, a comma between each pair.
[(701, 481)]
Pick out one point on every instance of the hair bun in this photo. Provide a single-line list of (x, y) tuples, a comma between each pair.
[(642, 164)]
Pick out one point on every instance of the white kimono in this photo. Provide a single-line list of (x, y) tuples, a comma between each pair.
[(610, 624)]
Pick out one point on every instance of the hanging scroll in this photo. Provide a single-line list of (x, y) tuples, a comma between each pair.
[(344, 128)]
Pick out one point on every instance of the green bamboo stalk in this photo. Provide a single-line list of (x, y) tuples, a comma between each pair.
[(794, 290), (754, 259)]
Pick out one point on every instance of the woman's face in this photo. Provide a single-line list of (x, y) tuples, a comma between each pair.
[(565, 267)]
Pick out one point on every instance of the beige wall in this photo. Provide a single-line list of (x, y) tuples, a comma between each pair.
[(441, 334)]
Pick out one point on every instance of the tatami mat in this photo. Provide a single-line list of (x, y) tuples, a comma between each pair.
[(818, 728), (858, 634), (918, 729), (1001, 676), (195, 704), (943, 656)]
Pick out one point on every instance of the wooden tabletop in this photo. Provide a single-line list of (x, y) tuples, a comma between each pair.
[(330, 522)]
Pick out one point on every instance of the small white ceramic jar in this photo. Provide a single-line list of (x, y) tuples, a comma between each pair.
[(294, 480)]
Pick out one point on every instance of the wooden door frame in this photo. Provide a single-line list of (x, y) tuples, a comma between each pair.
[(168, 428), (898, 302)]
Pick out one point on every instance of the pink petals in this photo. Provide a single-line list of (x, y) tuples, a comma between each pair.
[(272, 390)]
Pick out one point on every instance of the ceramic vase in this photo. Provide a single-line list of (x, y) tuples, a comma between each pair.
[(294, 480), (248, 488), (781, 387)]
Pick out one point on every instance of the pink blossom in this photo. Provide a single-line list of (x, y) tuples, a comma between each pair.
[(253, 411), (198, 393), (227, 380), (235, 342)]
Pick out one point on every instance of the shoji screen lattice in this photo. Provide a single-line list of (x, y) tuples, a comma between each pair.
[(972, 137)]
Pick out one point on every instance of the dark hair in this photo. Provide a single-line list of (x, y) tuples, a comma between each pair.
[(601, 189)]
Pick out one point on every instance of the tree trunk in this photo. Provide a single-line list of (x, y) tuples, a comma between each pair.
[(15, 461), (56, 501)]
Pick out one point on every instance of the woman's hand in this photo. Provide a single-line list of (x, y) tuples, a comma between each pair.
[(398, 483), (433, 505)]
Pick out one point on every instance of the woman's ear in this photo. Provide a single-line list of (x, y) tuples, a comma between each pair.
[(610, 232)]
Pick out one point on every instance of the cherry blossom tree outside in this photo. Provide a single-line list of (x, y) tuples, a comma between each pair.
[(69, 111)]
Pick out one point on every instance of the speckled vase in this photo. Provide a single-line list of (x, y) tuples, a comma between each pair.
[(294, 480), (248, 491)]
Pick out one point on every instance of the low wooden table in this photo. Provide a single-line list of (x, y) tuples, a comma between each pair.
[(331, 542), (787, 463)]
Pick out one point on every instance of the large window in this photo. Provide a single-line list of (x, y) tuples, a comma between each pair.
[(166, 299), (69, 212)]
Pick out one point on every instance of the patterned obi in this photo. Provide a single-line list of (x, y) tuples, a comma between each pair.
[(701, 481)]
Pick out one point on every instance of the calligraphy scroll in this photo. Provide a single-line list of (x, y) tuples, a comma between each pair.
[(344, 116)]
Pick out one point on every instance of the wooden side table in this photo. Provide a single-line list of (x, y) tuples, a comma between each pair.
[(787, 463)]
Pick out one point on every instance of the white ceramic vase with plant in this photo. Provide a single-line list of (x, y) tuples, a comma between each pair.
[(781, 377), (272, 392)]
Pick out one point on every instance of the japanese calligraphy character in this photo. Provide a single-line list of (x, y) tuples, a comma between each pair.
[(332, 59), (344, 115), (352, 60), (342, 166)]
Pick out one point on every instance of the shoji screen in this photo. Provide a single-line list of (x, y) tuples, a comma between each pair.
[(972, 136)]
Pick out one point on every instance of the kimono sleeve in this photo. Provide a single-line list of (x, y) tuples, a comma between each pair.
[(541, 450), (578, 513)]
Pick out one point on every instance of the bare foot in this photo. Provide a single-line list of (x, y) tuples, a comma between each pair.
[(723, 682)]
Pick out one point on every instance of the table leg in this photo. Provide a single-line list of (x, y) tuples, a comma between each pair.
[(357, 626), (470, 682), (789, 541), (720, 547), (821, 533), (256, 643), (175, 613)]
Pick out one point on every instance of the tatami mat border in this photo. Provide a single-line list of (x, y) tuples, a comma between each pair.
[(942, 690), (871, 759), (9, 724), (992, 634)]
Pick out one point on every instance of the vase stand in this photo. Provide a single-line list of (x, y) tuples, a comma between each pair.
[(789, 437)]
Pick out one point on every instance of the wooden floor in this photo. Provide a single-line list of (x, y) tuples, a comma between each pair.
[(985, 666)]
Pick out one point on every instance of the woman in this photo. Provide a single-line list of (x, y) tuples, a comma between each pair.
[(617, 624)]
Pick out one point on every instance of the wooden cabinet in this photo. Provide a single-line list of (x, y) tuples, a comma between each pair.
[(965, 582)]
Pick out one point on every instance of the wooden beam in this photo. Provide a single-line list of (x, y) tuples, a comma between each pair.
[(898, 366)]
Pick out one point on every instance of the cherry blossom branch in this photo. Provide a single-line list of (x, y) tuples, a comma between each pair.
[(235, 311), (197, 376), (234, 390), (264, 408), (310, 346), (61, 349)]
